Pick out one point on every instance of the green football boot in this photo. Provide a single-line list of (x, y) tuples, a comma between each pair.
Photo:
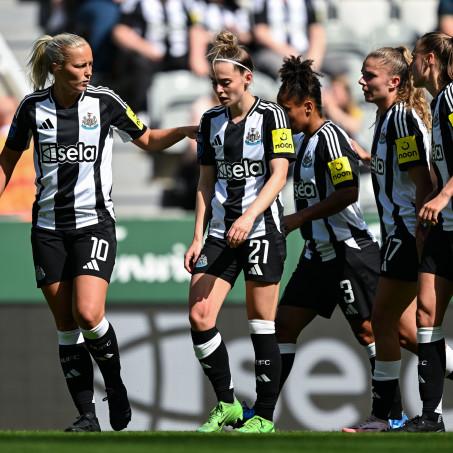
[(223, 414), (257, 424)]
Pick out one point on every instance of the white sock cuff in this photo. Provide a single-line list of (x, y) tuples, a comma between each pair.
[(429, 334), (438, 409), (371, 350), (98, 331), (287, 348), (387, 371), (260, 326), (69, 337), (448, 360), (206, 349)]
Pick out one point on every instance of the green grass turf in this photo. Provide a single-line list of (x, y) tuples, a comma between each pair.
[(172, 442)]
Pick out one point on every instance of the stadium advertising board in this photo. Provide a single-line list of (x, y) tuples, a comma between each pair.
[(328, 387), (149, 266)]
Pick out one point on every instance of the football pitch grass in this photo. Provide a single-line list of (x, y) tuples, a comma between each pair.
[(172, 442)]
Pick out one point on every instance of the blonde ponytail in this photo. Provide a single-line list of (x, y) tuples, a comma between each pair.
[(47, 50)]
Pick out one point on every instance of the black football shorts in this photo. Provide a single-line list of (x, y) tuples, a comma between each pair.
[(399, 258), (261, 259), (60, 255), (437, 257), (349, 280)]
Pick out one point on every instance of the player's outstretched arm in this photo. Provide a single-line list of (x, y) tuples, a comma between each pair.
[(8, 161), (204, 195), (160, 139)]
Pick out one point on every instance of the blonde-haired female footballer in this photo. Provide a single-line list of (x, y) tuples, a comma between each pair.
[(73, 232)]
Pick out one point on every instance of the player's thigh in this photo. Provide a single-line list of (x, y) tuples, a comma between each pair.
[(206, 295), (90, 294), (261, 299), (290, 321), (59, 299), (434, 294), (392, 299)]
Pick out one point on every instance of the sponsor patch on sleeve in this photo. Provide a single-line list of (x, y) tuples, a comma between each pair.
[(406, 149), (134, 118), (282, 141), (450, 117), (340, 170)]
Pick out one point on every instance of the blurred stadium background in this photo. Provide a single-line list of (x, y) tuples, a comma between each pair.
[(329, 386)]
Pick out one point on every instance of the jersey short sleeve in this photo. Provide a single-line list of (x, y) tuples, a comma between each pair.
[(311, 13), (129, 126), (409, 145), (278, 138), (132, 16), (445, 8), (20, 132), (340, 160), (205, 151)]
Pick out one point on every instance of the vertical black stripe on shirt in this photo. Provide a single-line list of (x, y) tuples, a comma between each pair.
[(233, 150), (100, 201), (389, 172), (321, 185), (447, 141), (67, 173), (374, 179), (39, 186), (306, 229)]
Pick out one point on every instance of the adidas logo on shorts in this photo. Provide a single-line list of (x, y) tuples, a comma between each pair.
[(255, 270), (93, 265)]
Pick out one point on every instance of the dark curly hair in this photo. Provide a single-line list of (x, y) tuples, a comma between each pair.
[(299, 82)]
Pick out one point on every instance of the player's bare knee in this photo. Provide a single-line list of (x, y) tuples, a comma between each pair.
[(425, 317), (88, 319), (200, 318)]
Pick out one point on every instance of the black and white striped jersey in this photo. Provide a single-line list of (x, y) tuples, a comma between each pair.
[(241, 153), (164, 23), (400, 141), (325, 163), (442, 147), (288, 20), (223, 16), (72, 154)]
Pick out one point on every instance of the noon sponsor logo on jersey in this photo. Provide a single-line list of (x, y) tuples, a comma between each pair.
[(406, 149), (239, 170), (54, 153), (282, 141), (89, 122), (340, 170), (450, 118), (437, 153), (377, 165), (304, 190), (253, 137)]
